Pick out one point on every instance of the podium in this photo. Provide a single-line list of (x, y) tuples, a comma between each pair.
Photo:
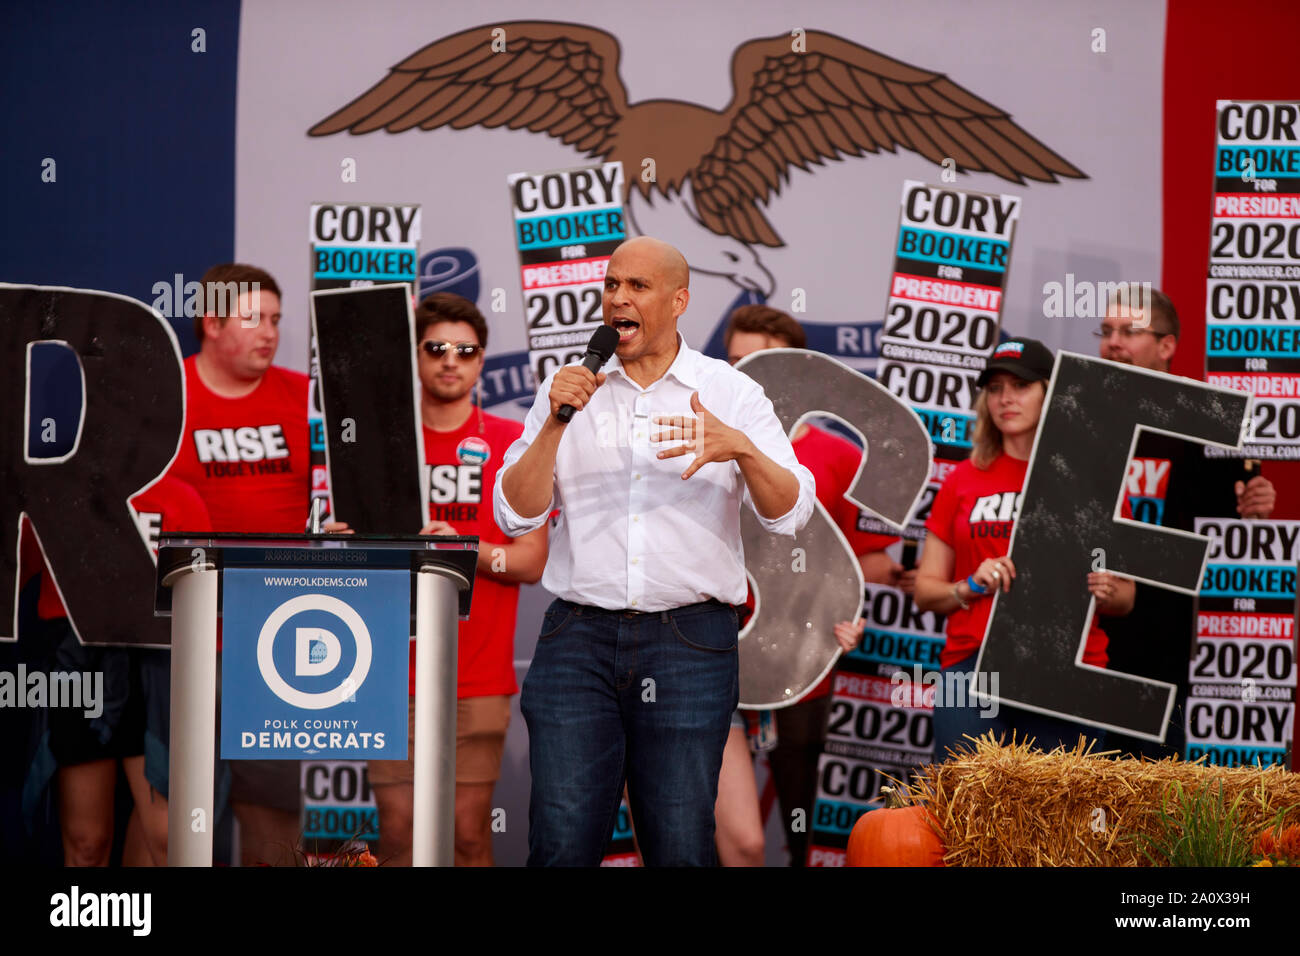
[(190, 573)]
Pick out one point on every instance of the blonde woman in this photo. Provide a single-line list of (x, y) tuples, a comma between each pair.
[(965, 560)]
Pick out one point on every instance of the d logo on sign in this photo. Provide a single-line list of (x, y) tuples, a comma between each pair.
[(317, 651)]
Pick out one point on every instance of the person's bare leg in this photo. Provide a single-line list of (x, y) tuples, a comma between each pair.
[(473, 824), (135, 849), (86, 812), (266, 835), (396, 805), (739, 821), (150, 817)]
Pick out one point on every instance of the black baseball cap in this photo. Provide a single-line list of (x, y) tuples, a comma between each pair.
[(1027, 359)]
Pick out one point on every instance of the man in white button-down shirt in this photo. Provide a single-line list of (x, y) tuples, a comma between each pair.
[(635, 673)]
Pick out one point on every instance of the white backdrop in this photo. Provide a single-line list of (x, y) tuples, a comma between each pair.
[(299, 62)]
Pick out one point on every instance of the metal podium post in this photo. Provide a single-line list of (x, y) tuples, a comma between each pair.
[(190, 818), (433, 833)]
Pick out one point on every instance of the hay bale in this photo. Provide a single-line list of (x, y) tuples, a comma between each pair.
[(1011, 805)]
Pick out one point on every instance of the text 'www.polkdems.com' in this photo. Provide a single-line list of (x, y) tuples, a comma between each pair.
[(316, 581)]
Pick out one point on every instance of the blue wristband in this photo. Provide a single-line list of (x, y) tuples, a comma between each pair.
[(974, 587)]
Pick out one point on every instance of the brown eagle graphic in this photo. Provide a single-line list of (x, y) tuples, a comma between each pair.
[(713, 168)]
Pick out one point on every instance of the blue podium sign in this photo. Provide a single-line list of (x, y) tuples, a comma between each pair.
[(315, 663)]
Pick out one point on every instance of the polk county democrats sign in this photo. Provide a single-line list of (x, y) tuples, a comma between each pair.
[(315, 664)]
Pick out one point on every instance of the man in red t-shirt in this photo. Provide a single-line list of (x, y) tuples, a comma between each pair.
[(245, 449), (245, 442), (463, 449), (800, 727)]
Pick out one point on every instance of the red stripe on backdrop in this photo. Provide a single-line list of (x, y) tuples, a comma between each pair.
[(1200, 68)]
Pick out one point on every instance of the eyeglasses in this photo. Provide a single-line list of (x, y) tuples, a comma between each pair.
[(465, 350), (1126, 332)]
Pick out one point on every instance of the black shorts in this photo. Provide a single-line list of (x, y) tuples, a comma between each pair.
[(113, 727)]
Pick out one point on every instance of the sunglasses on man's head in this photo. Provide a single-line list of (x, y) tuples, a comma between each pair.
[(465, 350)]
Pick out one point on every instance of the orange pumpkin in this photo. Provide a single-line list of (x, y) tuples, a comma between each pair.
[(901, 836)]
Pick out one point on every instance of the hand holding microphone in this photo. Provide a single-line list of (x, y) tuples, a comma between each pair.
[(528, 485), (571, 390), (573, 385)]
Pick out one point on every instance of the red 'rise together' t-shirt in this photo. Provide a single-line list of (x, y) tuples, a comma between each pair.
[(974, 513), (462, 473), (249, 457)]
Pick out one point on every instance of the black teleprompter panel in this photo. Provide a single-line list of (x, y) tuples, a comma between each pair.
[(374, 446), (1066, 525), (804, 585), (134, 410)]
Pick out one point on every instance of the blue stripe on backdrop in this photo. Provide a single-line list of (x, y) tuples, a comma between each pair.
[(141, 130)]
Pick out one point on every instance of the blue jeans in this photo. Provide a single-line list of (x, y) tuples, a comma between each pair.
[(951, 723), (616, 697)]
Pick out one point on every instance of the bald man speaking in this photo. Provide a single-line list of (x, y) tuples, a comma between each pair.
[(635, 674)]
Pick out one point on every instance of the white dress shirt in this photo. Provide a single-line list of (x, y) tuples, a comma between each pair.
[(631, 534)]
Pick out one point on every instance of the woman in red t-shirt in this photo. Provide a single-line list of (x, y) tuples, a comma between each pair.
[(965, 556)]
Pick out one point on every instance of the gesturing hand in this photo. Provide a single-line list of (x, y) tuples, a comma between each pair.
[(706, 436)]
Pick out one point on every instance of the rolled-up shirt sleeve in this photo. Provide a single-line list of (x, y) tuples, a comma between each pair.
[(509, 520), (764, 429)]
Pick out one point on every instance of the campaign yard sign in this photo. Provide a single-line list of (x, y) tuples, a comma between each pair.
[(354, 246), (338, 803), (881, 723), (1252, 292), (943, 317), (1242, 672), (945, 302), (568, 223), (315, 663)]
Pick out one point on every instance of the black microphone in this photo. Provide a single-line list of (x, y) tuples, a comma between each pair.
[(603, 342)]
